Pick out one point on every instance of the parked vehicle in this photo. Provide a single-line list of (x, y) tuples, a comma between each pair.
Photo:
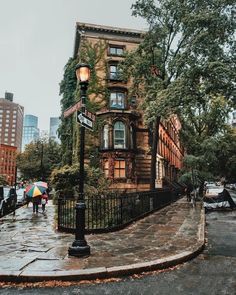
[(21, 197), (8, 200), (216, 197), (213, 190)]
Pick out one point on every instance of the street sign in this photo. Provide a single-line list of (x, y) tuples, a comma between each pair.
[(90, 115), (84, 120), (72, 109)]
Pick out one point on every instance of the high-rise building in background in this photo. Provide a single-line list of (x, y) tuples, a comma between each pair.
[(30, 130), (11, 125), (54, 124), (11, 122)]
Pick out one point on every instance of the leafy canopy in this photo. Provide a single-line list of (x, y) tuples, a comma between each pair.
[(187, 42), (39, 159)]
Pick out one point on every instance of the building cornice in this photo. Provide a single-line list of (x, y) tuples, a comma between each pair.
[(97, 31), (108, 29)]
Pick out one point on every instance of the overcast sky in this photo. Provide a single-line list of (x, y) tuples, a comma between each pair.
[(36, 40)]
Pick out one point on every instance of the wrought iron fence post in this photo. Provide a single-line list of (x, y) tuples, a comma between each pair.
[(59, 213)]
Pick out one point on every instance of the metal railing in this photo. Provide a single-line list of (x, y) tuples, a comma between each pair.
[(111, 212)]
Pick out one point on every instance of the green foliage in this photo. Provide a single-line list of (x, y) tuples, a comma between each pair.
[(95, 182), (93, 54), (219, 153), (188, 42), (214, 157), (186, 66), (66, 180), (39, 159), (66, 128)]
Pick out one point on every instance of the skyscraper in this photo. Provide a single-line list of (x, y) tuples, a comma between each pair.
[(54, 124), (30, 130)]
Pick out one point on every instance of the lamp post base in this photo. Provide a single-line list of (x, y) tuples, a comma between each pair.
[(79, 249)]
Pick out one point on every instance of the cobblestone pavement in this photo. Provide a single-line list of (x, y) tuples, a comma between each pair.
[(32, 249)]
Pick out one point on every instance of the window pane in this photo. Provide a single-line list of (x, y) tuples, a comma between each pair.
[(120, 51), (113, 69), (122, 164), (119, 125), (117, 164), (117, 100), (112, 50), (119, 135), (113, 76), (119, 143), (105, 136), (116, 174), (122, 173)]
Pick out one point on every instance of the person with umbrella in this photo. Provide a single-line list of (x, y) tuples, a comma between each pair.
[(35, 192)]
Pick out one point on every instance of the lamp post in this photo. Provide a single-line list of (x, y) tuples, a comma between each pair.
[(80, 247)]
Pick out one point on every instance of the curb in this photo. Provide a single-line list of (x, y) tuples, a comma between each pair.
[(115, 271)]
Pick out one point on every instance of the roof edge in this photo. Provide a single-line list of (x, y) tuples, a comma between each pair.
[(108, 28)]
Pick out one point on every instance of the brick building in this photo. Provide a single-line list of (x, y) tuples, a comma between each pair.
[(8, 163), (11, 122), (124, 140)]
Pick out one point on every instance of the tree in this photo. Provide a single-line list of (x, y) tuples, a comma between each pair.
[(188, 42), (39, 159), (219, 154)]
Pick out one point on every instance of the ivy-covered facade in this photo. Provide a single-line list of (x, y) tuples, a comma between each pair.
[(120, 143)]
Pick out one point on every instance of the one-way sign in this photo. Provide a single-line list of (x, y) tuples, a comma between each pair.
[(84, 120)]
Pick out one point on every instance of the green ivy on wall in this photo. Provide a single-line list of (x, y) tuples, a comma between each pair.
[(93, 54)]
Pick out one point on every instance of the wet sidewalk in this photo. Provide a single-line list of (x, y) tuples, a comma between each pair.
[(31, 249)]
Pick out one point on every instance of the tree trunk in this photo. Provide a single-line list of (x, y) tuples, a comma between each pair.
[(155, 141)]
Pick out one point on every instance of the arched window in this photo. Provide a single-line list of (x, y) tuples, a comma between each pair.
[(119, 135), (105, 137)]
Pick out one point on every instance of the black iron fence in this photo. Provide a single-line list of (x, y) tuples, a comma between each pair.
[(111, 212)]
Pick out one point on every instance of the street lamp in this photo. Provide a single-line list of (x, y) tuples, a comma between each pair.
[(80, 247)]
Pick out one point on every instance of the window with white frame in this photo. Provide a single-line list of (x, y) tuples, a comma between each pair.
[(116, 50), (113, 72), (119, 135), (117, 99)]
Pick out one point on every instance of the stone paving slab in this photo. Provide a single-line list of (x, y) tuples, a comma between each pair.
[(32, 249)]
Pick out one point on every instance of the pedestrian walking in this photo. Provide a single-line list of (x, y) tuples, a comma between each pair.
[(36, 202), (44, 201), (189, 189)]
